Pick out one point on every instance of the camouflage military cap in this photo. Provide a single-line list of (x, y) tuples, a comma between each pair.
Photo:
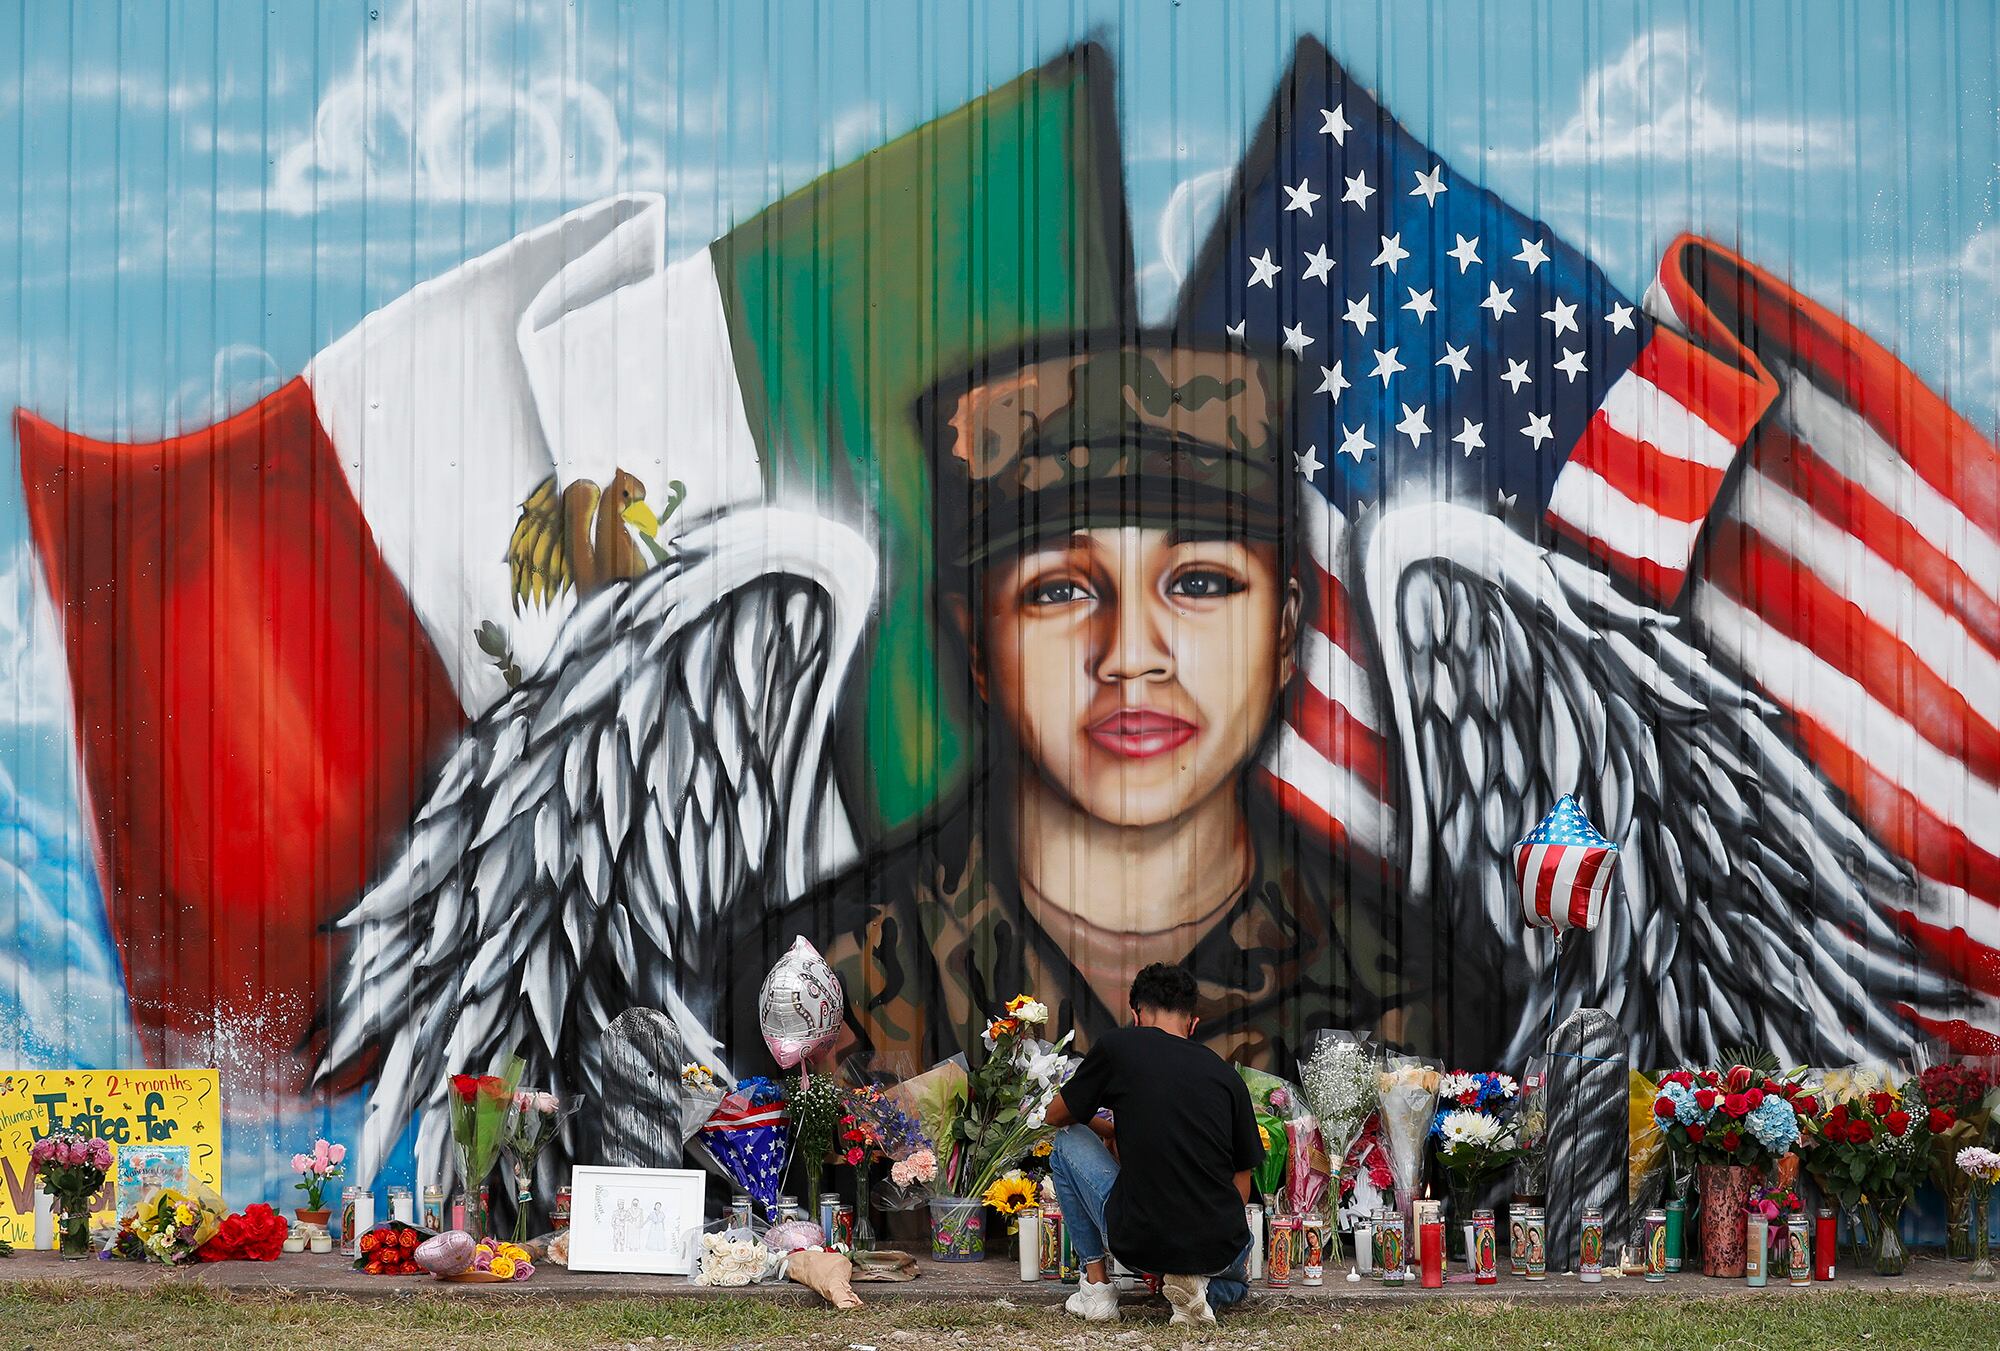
[(1080, 434)]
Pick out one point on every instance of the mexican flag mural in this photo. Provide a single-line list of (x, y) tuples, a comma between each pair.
[(279, 626)]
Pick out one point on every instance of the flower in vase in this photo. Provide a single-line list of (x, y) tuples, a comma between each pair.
[(1468, 1128), (1981, 1165), (1009, 1194)]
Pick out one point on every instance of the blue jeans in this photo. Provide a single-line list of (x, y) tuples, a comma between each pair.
[(1083, 1171)]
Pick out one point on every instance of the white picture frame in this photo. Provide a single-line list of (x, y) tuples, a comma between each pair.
[(644, 1221)]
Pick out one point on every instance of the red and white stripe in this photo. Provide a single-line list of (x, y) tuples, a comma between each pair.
[(1329, 766), (1854, 575), (1563, 886), (1638, 487)]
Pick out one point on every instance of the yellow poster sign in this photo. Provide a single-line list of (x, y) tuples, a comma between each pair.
[(164, 1128)]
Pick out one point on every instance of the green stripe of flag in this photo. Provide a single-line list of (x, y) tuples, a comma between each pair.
[(846, 300)]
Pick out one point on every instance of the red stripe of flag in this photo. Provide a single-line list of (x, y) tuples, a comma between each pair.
[(1935, 847), (1797, 603), (1336, 616), (1655, 579), (1545, 881), (1586, 884), (1719, 295), (1797, 467), (1335, 733), (1727, 397), (1657, 479), (1301, 808)]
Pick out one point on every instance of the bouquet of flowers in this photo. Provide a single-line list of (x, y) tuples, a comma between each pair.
[(316, 1170), (817, 1106), (1407, 1093), (1872, 1145), (390, 1250), (536, 1117), (493, 1261), (1000, 1117), (1271, 1100), (481, 1106), (750, 1135), (1774, 1205), (890, 1134), (168, 1225), (256, 1235), (1733, 1117), (1011, 1193), (1981, 1167), (71, 1169), (1971, 1093), (701, 1094)]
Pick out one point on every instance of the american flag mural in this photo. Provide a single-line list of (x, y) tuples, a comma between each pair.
[(522, 526)]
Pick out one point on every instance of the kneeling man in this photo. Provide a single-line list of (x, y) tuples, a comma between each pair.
[(1163, 1184)]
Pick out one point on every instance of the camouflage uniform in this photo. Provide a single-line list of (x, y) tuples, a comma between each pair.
[(931, 936)]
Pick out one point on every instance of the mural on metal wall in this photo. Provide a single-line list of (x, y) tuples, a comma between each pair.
[(599, 622)]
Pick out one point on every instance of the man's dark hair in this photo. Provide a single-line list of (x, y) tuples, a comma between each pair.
[(1170, 989)]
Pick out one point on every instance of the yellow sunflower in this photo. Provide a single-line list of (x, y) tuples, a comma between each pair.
[(1009, 1194)]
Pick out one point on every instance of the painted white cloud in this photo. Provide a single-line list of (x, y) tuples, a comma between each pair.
[(1650, 103), (34, 681), (474, 102)]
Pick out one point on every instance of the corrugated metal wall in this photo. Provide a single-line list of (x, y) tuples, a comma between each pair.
[(523, 510)]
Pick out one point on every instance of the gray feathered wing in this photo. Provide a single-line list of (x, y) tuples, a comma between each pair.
[(1749, 908), (595, 835)]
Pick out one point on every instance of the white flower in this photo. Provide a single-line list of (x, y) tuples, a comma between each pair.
[(1469, 1128), (1454, 1086), (1033, 1013)]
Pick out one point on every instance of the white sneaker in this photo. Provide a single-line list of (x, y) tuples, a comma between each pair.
[(1094, 1301), (1189, 1296)]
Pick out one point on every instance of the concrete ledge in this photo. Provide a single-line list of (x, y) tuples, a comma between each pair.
[(938, 1282)]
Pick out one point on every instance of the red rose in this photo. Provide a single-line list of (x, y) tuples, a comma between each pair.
[(1681, 1077), (1881, 1104), (1695, 1134), (493, 1086), (1704, 1098), (1663, 1107), (1755, 1097), (465, 1086), (1897, 1122), (1859, 1132), (1839, 1117), (1939, 1121), (1730, 1139), (1740, 1077), (1735, 1104), (1807, 1105), (1771, 1086)]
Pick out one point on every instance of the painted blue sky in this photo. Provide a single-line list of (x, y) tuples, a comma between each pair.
[(195, 197)]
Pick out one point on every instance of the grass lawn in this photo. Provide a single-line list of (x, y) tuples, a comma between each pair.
[(52, 1316)]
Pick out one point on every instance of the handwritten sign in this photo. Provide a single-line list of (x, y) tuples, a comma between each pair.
[(160, 1116)]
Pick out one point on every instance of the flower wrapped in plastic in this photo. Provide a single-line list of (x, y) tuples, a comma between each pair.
[(536, 1117), (255, 1235), (168, 1225), (481, 1106), (891, 1134), (750, 1135), (1406, 1093)]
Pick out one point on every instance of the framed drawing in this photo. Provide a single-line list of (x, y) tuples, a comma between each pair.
[(635, 1219)]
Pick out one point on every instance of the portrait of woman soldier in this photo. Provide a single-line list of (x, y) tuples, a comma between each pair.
[(1116, 539)]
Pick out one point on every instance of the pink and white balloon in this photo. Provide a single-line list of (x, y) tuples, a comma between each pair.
[(800, 1004)]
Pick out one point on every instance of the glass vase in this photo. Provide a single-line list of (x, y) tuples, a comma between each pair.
[(1884, 1219), (1464, 1196), (523, 1171), (1958, 1225), (73, 1231), (1982, 1240)]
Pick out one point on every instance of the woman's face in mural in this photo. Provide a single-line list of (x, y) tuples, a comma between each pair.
[(1136, 667)]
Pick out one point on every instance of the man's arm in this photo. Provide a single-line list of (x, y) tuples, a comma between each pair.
[(1243, 1185), (1058, 1114)]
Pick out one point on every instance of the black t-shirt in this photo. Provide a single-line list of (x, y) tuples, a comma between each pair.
[(1185, 1130)]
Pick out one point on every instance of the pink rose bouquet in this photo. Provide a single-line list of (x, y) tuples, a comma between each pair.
[(317, 1169)]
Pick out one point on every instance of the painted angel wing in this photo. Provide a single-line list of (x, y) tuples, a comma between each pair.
[(537, 554), (1752, 906), (594, 835)]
